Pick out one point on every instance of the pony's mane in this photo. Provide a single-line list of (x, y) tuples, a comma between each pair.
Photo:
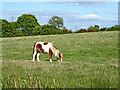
[(54, 49)]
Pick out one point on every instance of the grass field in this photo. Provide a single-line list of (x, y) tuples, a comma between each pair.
[(89, 61)]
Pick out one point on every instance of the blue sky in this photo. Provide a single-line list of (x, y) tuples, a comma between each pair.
[(76, 15)]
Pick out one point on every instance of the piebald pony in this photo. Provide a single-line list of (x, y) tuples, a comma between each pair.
[(49, 48)]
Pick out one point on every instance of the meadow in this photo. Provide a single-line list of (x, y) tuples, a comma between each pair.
[(90, 60)]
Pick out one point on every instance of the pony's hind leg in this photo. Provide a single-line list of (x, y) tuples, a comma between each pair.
[(34, 54)]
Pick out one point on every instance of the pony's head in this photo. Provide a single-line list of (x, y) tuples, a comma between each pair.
[(59, 57)]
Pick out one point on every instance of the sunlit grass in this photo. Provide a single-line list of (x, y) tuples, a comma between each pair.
[(89, 61)]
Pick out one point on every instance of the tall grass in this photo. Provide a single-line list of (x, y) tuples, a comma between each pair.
[(89, 61), (29, 82)]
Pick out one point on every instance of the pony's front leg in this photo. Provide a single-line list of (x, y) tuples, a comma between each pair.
[(50, 60), (50, 55), (38, 56)]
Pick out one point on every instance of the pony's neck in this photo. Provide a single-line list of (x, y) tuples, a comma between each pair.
[(54, 50)]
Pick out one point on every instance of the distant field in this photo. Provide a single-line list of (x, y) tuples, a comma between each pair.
[(89, 61)]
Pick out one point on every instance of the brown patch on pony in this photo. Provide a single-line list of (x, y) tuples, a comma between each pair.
[(50, 53), (45, 43), (39, 48)]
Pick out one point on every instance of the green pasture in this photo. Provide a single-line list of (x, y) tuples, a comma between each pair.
[(89, 61)]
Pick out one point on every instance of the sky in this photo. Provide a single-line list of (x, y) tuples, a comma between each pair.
[(76, 15)]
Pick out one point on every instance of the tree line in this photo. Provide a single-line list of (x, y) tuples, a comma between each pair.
[(27, 25)]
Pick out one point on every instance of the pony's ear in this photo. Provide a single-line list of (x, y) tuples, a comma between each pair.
[(59, 53)]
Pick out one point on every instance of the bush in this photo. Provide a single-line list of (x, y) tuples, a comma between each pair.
[(90, 30), (80, 31), (116, 27)]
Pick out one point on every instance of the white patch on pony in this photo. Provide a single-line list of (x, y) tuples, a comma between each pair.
[(45, 47)]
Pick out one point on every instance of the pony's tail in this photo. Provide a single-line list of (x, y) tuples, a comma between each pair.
[(34, 48)]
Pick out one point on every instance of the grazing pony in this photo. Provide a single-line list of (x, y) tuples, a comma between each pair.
[(49, 48)]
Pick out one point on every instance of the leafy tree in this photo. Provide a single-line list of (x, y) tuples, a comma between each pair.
[(19, 33), (70, 31), (50, 30), (6, 28), (0, 28), (37, 31), (116, 27), (27, 23), (96, 26), (97, 29), (64, 30), (46, 29), (103, 29), (14, 26), (91, 29), (56, 21)]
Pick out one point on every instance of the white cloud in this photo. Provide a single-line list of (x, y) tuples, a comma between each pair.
[(93, 4), (90, 16), (114, 12)]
